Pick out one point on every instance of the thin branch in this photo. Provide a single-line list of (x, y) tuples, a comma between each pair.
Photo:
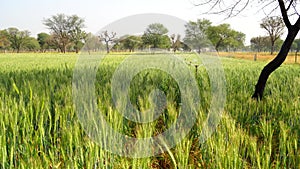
[(238, 11), (288, 8), (262, 9), (217, 7), (204, 3), (272, 11), (296, 11)]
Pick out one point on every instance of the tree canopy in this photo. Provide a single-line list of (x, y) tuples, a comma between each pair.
[(17, 38), (275, 27), (155, 36), (66, 30), (43, 39), (222, 36), (4, 41), (196, 34)]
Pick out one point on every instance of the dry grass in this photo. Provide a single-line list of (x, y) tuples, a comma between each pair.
[(262, 56)]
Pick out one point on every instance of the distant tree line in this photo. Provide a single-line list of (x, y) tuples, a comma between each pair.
[(199, 36), (66, 34)]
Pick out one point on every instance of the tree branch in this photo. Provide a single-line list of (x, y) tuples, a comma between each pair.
[(289, 5), (220, 7), (284, 14), (297, 24)]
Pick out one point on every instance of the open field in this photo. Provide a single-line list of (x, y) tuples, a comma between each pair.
[(39, 127), (261, 56)]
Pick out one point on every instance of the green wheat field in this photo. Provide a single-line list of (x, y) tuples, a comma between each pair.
[(39, 127)]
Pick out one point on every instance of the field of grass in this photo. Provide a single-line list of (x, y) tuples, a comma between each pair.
[(39, 127), (261, 56)]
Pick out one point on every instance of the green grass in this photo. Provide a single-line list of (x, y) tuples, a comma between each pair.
[(39, 127)]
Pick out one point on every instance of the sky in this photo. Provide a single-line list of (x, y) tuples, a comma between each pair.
[(29, 14)]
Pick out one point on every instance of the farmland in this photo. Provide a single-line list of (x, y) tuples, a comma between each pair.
[(39, 127)]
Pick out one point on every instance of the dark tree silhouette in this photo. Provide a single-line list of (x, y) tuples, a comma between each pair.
[(288, 10)]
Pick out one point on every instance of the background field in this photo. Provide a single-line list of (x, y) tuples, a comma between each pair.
[(261, 56), (39, 127)]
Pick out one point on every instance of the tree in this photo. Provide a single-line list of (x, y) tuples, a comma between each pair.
[(195, 34), (165, 42), (43, 39), (155, 36), (108, 39), (54, 42), (278, 45), (66, 29), (287, 9), (237, 40), (92, 43), (222, 36), (32, 44), (77, 35), (296, 48), (4, 42), (157, 28), (260, 43), (275, 27), (17, 38), (132, 42)]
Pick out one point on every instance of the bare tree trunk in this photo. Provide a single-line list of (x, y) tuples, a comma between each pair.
[(274, 64), (272, 47), (63, 48), (107, 47)]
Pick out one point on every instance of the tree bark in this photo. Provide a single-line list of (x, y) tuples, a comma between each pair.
[(274, 64), (272, 47), (107, 47)]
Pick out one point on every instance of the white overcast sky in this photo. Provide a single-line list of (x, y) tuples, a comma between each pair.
[(28, 14)]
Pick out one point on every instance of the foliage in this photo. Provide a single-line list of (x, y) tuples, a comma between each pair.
[(195, 34), (131, 43), (275, 27), (92, 43), (223, 37), (296, 45), (66, 30), (259, 43), (155, 36), (32, 44), (156, 28), (4, 41), (43, 39), (67, 35), (17, 38)]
